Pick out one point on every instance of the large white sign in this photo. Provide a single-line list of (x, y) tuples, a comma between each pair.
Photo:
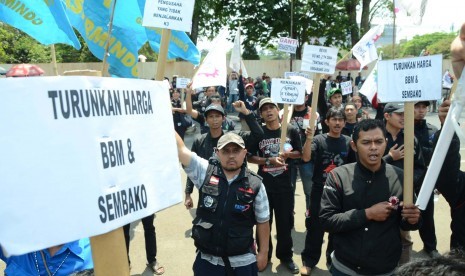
[(319, 59), (288, 91), (410, 79), (182, 82), (287, 45), (169, 14), (82, 156), (346, 87)]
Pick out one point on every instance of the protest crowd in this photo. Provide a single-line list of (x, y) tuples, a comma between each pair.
[(351, 166)]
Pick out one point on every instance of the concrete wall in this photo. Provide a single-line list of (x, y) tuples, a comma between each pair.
[(255, 68)]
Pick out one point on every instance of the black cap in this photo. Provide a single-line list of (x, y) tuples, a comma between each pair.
[(426, 103), (215, 108), (394, 107)]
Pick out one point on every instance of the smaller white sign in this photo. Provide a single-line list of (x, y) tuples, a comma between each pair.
[(172, 14), (182, 82), (410, 79), (346, 87), (287, 45), (288, 75), (288, 91), (319, 59)]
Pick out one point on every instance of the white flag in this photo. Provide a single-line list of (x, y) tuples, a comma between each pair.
[(413, 8), (235, 61), (370, 86), (244, 70), (365, 49), (212, 71)]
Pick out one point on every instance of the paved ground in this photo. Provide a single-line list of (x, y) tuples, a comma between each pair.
[(176, 250)]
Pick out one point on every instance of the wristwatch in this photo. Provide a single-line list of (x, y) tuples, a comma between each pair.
[(267, 161)]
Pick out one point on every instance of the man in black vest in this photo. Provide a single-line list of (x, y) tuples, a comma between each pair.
[(232, 200)]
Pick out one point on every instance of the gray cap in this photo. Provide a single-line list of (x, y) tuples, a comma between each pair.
[(266, 101), (230, 137), (215, 108), (394, 107)]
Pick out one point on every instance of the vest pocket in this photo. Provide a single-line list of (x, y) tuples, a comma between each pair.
[(239, 240), (202, 233)]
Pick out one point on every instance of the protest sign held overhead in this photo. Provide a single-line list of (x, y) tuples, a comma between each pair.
[(172, 14), (45, 21), (182, 82), (288, 91), (410, 79), (319, 59), (346, 87), (98, 152), (287, 45)]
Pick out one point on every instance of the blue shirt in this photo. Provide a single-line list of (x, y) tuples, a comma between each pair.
[(78, 259)]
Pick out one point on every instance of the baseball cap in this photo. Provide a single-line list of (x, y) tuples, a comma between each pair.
[(394, 107), (230, 137), (334, 91), (249, 84), (266, 101), (215, 108), (426, 103)]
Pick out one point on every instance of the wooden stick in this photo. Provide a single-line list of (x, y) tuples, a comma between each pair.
[(161, 62), (408, 151), (316, 92), (54, 59), (107, 45), (452, 90), (284, 124), (109, 254)]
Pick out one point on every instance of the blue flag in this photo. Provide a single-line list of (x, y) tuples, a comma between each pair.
[(45, 21), (91, 18)]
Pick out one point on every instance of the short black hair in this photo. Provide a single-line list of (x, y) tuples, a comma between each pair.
[(335, 112), (350, 103), (450, 264), (366, 125)]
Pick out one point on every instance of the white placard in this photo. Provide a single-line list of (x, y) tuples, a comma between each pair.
[(319, 59), (287, 45), (288, 91), (85, 155), (410, 79), (172, 14), (182, 82), (308, 83), (346, 87), (288, 75)]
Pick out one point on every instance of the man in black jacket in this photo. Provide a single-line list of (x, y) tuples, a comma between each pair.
[(362, 207)]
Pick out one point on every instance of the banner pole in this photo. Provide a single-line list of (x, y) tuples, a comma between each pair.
[(54, 59), (162, 55), (408, 151), (107, 45), (109, 254), (315, 94)]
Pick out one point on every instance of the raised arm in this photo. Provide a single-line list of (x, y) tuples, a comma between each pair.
[(457, 50), (184, 154), (189, 110)]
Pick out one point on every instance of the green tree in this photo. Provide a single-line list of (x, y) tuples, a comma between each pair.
[(435, 43)]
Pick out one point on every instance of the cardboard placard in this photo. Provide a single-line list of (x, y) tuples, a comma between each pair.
[(287, 45), (182, 82), (172, 14), (410, 79), (288, 91), (346, 87), (83, 151), (319, 59)]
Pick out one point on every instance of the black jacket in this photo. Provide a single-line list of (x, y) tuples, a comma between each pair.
[(419, 166), (424, 132), (367, 247)]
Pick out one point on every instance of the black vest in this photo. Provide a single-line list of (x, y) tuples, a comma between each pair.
[(225, 213)]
